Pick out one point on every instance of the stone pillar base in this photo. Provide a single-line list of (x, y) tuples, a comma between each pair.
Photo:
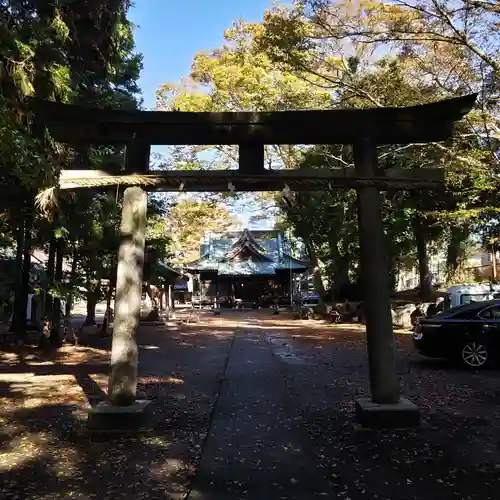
[(107, 419), (401, 415)]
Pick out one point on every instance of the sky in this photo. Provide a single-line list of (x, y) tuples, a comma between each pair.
[(169, 33)]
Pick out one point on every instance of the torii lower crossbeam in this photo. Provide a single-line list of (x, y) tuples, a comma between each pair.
[(276, 180)]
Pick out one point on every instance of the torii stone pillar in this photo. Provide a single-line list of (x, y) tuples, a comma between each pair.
[(123, 380), (122, 412), (385, 408)]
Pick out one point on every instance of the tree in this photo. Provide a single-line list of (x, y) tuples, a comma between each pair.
[(32, 60), (326, 38), (440, 52), (79, 52), (451, 47), (235, 77), (188, 221), (324, 54)]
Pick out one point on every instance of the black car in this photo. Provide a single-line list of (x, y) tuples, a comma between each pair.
[(469, 334)]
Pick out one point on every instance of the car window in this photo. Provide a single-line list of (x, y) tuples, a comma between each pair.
[(470, 298), (465, 311), (492, 313), (468, 311)]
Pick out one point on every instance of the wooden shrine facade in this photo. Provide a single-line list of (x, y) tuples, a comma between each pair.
[(364, 129), (250, 268)]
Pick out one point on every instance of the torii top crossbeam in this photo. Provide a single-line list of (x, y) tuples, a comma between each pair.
[(424, 123)]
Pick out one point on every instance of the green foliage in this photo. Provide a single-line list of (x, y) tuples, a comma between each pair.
[(26, 166), (77, 52), (188, 221), (323, 54)]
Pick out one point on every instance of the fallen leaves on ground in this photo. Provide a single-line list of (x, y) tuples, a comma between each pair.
[(43, 395), (45, 451), (455, 452)]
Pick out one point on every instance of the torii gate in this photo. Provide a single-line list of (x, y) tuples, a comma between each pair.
[(364, 129)]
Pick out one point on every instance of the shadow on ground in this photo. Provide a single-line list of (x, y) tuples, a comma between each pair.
[(45, 451), (454, 454), (297, 379)]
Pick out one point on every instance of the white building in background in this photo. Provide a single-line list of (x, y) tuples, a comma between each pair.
[(479, 263), (410, 278)]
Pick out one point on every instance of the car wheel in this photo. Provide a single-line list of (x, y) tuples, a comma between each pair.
[(474, 354)]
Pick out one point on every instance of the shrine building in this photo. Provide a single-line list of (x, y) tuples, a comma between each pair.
[(242, 267)]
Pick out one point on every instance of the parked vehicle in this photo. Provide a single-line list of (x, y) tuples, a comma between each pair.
[(469, 334), (460, 295), (311, 300)]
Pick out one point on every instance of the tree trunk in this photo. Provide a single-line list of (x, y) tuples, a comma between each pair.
[(56, 306), (420, 234), (26, 268), (107, 314), (393, 261), (317, 276), (123, 379), (160, 297), (494, 265), (151, 296), (393, 275), (74, 263), (454, 251), (171, 298), (341, 275), (167, 298), (47, 310), (92, 300), (19, 303), (313, 258), (109, 298), (91, 305)]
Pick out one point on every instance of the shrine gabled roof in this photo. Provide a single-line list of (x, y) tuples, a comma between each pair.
[(287, 262), (247, 241), (168, 271), (219, 256), (230, 267)]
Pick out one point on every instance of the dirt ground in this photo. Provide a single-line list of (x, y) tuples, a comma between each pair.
[(197, 379)]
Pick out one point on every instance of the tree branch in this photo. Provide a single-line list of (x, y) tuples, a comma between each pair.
[(495, 65)]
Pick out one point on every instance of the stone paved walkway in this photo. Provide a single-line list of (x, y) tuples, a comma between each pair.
[(257, 446), (246, 406)]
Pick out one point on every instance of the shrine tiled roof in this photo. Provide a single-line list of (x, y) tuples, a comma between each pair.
[(242, 254)]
